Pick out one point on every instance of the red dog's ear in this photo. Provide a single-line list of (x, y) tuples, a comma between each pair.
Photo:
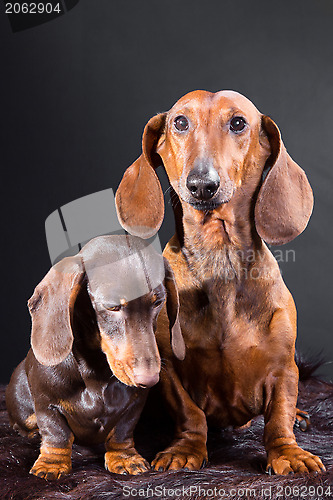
[(51, 307), (139, 198), (172, 305), (285, 200)]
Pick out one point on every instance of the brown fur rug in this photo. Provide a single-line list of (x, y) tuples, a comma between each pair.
[(236, 467)]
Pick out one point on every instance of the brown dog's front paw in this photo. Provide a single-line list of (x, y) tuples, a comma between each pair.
[(125, 462), (177, 457), (48, 468), (289, 459)]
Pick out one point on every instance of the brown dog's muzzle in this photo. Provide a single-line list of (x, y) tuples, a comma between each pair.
[(128, 364), (147, 374)]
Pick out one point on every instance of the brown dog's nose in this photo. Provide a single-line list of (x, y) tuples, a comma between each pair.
[(146, 379), (203, 182)]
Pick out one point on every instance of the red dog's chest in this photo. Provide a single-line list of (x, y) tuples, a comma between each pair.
[(228, 387), (226, 364)]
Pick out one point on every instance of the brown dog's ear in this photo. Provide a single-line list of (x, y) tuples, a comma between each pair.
[(172, 305), (285, 200), (51, 307), (139, 197)]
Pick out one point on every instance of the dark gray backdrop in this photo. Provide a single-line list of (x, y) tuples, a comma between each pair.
[(77, 91)]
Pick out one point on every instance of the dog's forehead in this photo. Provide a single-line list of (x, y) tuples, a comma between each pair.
[(207, 102), (194, 100), (123, 267), (232, 98)]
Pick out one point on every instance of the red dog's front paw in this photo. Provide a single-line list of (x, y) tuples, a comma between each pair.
[(180, 457), (291, 458)]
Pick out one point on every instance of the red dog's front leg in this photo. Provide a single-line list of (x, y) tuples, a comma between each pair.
[(283, 454), (188, 450)]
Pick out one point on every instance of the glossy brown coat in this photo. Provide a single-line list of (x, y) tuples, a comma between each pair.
[(94, 353)]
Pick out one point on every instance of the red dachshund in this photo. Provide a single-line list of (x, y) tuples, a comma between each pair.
[(234, 188)]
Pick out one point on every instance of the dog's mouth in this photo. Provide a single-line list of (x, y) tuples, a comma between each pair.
[(211, 204), (206, 205), (132, 377), (128, 372)]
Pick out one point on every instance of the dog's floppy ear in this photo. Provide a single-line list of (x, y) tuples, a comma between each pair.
[(285, 200), (172, 305), (139, 198), (51, 307)]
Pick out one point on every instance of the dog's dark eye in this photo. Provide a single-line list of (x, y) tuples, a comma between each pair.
[(114, 308), (157, 301), (181, 123), (237, 124)]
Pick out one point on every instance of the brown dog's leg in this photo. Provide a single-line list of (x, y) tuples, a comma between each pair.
[(121, 456), (188, 450), (57, 439), (53, 462)]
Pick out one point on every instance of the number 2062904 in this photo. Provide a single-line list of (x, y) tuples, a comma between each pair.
[(32, 8)]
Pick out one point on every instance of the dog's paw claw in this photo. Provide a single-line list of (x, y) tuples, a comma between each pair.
[(269, 470), (302, 420)]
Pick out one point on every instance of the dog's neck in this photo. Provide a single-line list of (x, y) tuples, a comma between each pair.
[(217, 244)]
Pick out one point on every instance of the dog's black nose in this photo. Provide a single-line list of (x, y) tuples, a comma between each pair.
[(203, 182)]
